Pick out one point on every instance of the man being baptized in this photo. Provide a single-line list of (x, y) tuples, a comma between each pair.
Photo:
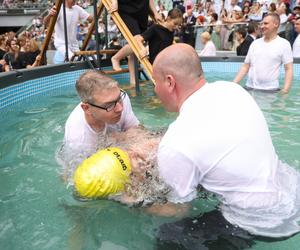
[(125, 170)]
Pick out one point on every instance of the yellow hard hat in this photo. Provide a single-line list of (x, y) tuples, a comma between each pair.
[(105, 172)]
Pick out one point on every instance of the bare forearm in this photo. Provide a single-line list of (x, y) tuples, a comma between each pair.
[(288, 78), (242, 72), (47, 20), (169, 209)]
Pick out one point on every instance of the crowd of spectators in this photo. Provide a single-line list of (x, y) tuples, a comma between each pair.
[(229, 25), (18, 52), (21, 4), (228, 21)]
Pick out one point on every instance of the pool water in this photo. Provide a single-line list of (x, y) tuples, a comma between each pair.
[(37, 211)]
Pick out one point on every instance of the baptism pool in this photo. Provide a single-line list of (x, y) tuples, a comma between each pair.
[(37, 211)]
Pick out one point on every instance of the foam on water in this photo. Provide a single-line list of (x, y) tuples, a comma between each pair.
[(146, 187)]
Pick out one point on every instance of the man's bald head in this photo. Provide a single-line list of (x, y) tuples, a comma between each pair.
[(181, 61)]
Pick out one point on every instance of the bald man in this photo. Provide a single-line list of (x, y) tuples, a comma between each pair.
[(220, 140), (265, 57)]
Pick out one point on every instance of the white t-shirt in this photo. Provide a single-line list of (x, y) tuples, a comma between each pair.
[(296, 47), (221, 141), (73, 15), (283, 22), (208, 50), (265, 59), (80, 137)]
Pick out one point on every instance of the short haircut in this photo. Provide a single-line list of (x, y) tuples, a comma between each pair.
[(252, 26), (242, 31), (275, 17), (175, 13), (215, 16), (205, 35), (92, 81)]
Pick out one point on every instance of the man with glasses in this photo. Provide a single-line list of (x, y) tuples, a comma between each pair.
[(104, 108)]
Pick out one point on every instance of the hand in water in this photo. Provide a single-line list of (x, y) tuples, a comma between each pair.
[(284, 91)]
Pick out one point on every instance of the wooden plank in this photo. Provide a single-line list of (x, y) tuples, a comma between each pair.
[(113, 72), (93, 52), (50, 31), (130, 39)]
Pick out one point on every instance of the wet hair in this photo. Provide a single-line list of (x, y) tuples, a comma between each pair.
[(252, 26), (92, 81), (175, 13), (242, 31), (275, 17)]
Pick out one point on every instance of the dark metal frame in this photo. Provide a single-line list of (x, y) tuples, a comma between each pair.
[(19, 76)]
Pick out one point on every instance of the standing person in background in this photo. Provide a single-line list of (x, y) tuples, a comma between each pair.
[(282, 12), (188, 29), (74, 14), (14, 59), (244, 44), (160, 36), (296, 45), (209, 47), (2, 51), (32, 57), (22, 42), (264, 58), (135, 14)]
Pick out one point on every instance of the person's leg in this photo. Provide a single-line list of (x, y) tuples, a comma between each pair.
[(207, 231), (133, 24), (131, 69), (121, 54)]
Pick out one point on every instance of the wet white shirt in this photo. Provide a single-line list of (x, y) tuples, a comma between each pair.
[(296, 47), (265, 59), (220, 140), (80, 137), (208, 50)]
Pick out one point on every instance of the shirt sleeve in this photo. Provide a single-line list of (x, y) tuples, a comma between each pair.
[(83, 15), (287, 55), (149, 33), (180, 173), (248, 56), (129, 119)]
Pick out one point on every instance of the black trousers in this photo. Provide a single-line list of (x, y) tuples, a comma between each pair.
[(208, 231)]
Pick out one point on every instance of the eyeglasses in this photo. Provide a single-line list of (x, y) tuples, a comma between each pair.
[(110, 106)]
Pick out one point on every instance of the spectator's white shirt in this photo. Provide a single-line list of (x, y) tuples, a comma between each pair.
[(283, 22), (208, 50), (73, 15), (265, 59), (221, 141), (296, 47), (80, 137)]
